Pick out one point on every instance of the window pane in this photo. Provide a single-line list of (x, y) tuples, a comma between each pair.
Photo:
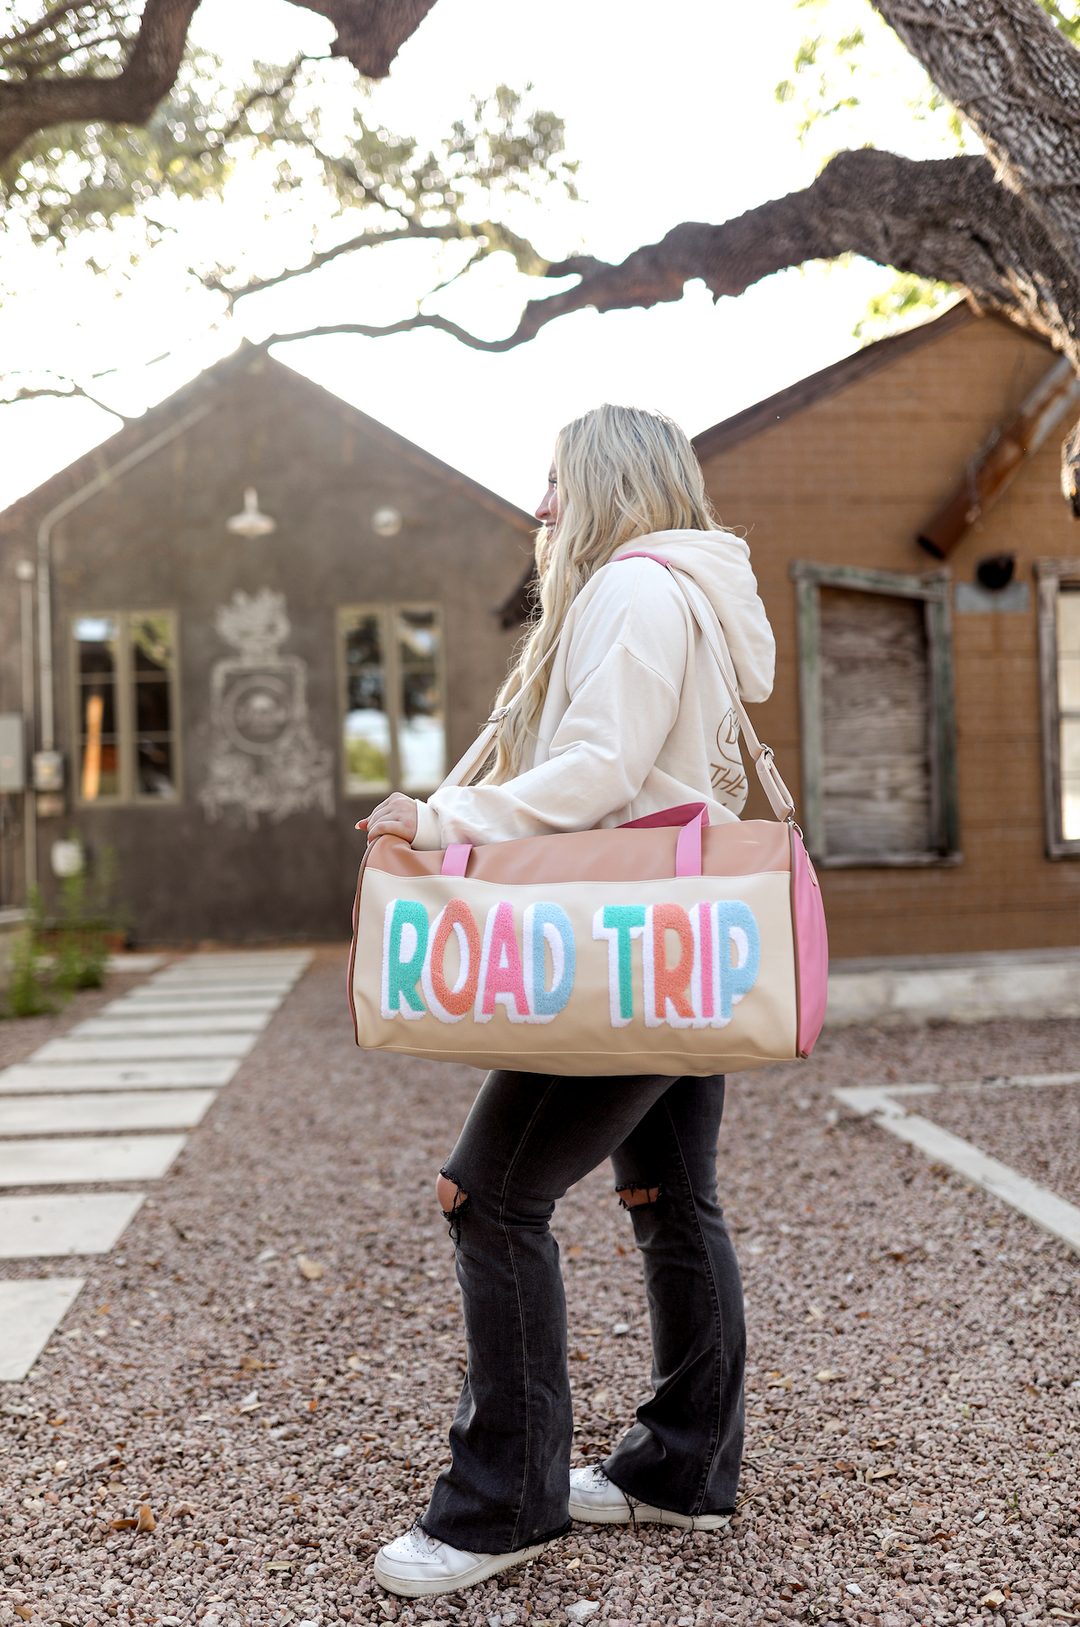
[(95, 640), (96, 663), (153, 708), (151, 645), (367, 726), (154, 764), (153, 661), (421, 729), (1068, 642), (1070, 779)]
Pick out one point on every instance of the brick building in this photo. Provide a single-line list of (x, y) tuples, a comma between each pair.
[(219, 703), (926, 711)]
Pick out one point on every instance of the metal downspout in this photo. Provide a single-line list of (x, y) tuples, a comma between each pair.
[(44, 565), (25, 572)]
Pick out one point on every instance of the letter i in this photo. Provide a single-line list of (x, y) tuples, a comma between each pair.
[(703, 932)]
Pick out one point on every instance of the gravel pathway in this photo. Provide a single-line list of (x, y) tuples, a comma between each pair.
[(271, 1362)]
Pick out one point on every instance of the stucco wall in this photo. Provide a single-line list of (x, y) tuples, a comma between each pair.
[(849, 480), (157, 540)]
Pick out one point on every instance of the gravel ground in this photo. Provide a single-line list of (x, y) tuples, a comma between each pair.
[(1035, 1129), (271, 1364)]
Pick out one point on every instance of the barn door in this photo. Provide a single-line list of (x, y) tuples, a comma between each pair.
[(877, 723)]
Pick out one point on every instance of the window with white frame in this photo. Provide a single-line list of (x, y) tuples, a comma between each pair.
[(393, 698), (125, 706), (1059, 670), (877, 716)]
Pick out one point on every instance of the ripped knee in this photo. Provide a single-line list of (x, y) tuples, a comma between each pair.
[(632, 1197), (452, 1202), (449, 1194)]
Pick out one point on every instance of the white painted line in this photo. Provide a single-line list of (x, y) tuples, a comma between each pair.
[(30, 1313), (49, 1224), (1039, 1204), (56, 1162), (119, 1110), (130, 1025), (33, 1078), (177, 1049)]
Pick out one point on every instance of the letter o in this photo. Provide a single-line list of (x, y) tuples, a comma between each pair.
[(456, 1001)]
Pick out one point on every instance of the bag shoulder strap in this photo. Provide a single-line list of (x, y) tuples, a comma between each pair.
[(780, 799)]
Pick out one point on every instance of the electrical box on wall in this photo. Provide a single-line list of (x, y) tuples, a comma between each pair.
[(48, 771), (12, 753)]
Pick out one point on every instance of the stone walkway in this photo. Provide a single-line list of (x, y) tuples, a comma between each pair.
[(95, 1107)]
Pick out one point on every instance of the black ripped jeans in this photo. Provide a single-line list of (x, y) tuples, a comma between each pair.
[(527, 1138)]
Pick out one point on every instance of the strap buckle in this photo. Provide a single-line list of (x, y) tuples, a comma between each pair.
[(499, 713)]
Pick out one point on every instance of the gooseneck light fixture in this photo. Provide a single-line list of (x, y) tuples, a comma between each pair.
[(249, 522)]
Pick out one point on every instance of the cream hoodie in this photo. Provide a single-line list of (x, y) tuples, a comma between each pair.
[(637, 716)]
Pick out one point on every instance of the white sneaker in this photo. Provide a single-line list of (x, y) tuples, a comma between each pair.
[(596, 1500), (415, 1565)]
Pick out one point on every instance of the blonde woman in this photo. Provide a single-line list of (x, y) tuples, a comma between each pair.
[(624, 713)]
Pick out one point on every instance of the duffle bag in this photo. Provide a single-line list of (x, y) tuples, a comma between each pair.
[(665, 946)]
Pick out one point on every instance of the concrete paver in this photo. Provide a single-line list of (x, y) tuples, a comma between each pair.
[(198, 1021), (178, 1048), (29, 1313), (109, 1110), (52, 1224), (34, 1077), (62, 1161)]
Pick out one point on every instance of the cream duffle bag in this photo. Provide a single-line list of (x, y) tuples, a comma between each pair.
[(666, 946)]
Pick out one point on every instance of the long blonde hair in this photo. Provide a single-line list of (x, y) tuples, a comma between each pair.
[(621, 472)]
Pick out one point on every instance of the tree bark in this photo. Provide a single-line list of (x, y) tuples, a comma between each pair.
[(370, 34), (129, 97), (1016, 79), (946, 218)]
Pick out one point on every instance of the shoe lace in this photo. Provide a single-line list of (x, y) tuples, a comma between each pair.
[(422, 1543)]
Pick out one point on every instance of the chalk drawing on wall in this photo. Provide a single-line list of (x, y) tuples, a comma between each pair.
[(263, 757)]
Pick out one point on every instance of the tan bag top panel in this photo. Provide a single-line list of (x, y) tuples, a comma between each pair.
[(751, 847)]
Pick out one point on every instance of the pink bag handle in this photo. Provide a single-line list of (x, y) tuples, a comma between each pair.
[(456, 858), (693, 817)]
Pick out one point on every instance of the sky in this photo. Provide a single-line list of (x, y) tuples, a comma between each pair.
[(667, 125)]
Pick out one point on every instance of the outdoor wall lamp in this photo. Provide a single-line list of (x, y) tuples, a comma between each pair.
[(386, 522), (249, 522), (996, 571)]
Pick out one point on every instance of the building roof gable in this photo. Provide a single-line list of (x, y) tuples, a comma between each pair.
[(829, 381), (32, 505)]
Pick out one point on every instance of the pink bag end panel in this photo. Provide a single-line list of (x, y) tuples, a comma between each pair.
[(811, 947)]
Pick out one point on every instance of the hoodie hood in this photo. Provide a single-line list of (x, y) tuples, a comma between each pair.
[(718, 562)]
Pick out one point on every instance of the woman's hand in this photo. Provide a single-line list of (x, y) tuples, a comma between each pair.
[(395, 817)]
